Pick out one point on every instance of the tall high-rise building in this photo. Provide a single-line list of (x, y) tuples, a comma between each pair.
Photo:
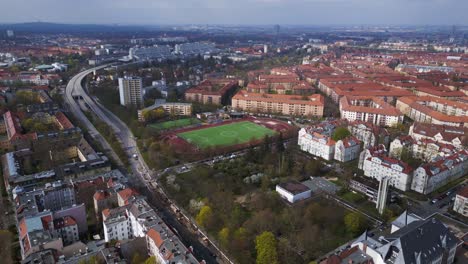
[(382, 194), (131, 91)]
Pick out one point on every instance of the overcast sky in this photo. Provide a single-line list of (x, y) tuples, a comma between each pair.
[(305, 12)]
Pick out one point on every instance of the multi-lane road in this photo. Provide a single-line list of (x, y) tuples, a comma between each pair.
[(140, 175)]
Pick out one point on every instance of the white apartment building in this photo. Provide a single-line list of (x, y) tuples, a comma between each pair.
[(369, 109), (378, 150), (167, 248), (461, 202), (440, 133), (116, 224), (347, 149), (131, 91), (431, 176), (317, 144), (370, 134), (379, 166)]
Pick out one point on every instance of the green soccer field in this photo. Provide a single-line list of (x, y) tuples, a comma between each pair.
[(175, 124), (226, 135)]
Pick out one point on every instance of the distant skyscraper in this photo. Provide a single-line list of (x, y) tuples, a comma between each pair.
[(10, 33), (277, 29), (131, 91), (265, 48)]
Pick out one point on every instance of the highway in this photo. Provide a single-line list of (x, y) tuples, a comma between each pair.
[(140, 175)]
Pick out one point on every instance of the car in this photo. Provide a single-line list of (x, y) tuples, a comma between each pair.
[(434, 201)]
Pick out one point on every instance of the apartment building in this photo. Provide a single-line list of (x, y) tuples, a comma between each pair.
[(433, 175), (369, 109), (316, 143), (377, 166), (455, 136), (67, 228), (317, 140), (178, 109), (370, 134), (131, 91), (212, 91), (424, 149), (167, 248), (461, 202), (279, 103), (116, 224), (338, 86), (347, 149), (434, 110)]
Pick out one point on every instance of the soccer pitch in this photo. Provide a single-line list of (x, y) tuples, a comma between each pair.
[(175, 124), (226, 135)]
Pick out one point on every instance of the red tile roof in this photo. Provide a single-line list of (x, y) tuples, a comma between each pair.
[(127, 193), (66, 221), (63, 121), (315, 99), (347, 104), (463, 192), (156, 237)]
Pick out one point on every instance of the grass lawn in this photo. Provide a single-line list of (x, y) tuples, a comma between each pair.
[(175, 124), (226, 135)]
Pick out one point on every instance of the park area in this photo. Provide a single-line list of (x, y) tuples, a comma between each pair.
[(226, 135), (235, 202), (175, 124)]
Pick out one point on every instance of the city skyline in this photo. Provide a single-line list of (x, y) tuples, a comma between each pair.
[(258, 12)]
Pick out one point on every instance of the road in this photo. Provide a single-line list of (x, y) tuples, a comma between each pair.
[(140, 175), (73, 93)]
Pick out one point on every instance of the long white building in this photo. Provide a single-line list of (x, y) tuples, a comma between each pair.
[(431, 176), (377, 166)]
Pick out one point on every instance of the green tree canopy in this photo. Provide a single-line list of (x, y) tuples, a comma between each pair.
[(265, 244), (223, 236), (340, 133), (355, 223), (151, 260), (204, 216)]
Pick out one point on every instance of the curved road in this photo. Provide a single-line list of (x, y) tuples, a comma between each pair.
[(140, 175)]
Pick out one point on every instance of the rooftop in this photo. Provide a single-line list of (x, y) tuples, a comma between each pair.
[(293, 187)]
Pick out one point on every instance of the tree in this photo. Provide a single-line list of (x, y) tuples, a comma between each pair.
[(340, 133), (204, 216), (265, 244), (151, 260), (26, 97), (355, 223), (312, 167), (223, 236), (153, 115), (137, 258), (279, 143)]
